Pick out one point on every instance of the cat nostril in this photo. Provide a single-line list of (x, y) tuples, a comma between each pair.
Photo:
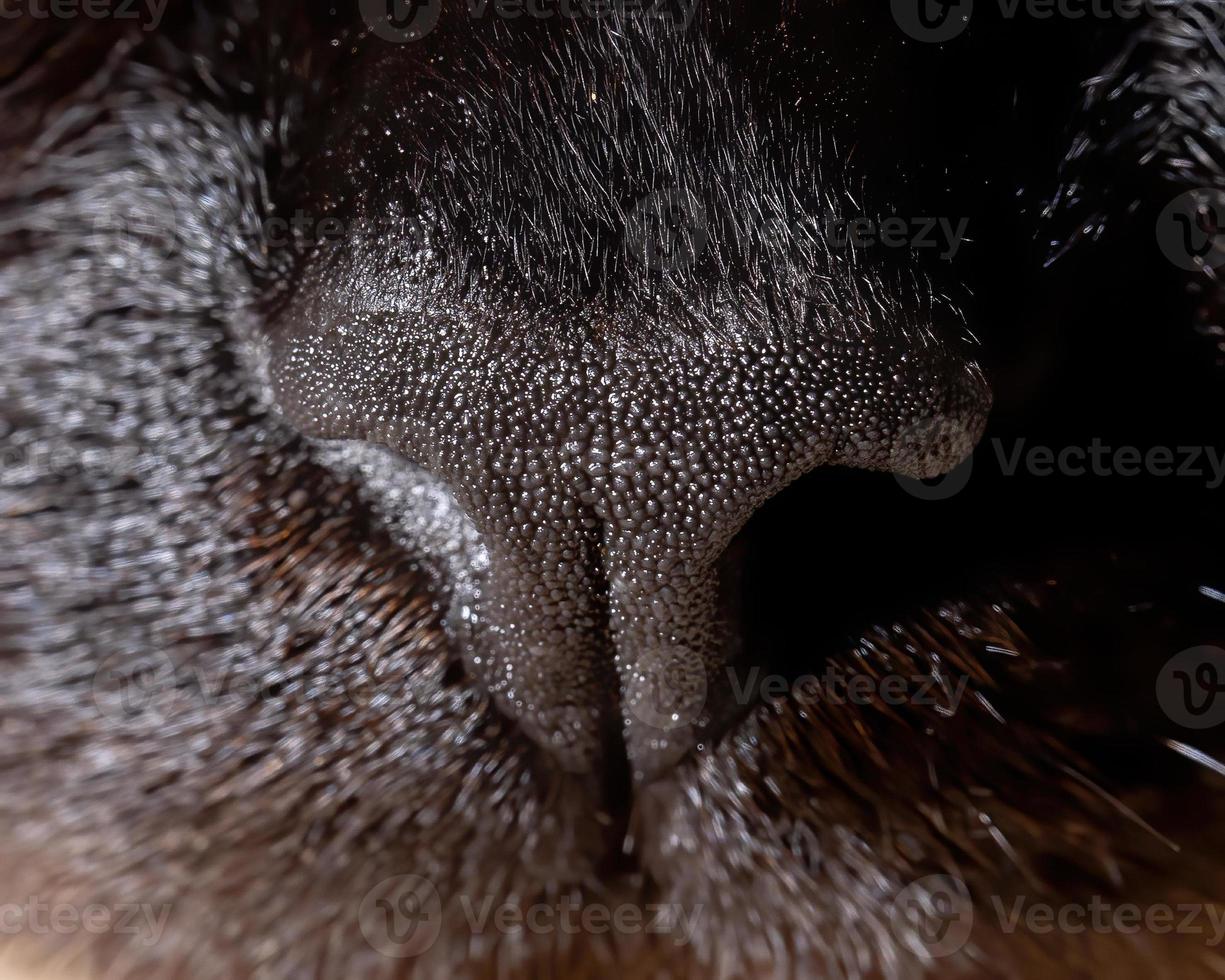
[(777, 413)]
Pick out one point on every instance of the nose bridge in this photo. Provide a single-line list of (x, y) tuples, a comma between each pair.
[(602, 515), (536, 631)]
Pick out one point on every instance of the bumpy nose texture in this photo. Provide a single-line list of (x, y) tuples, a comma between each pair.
[(607, 412), (700, 444), (607, 483)]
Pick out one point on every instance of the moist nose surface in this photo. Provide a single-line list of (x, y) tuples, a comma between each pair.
[(606, 485), (610, 317)]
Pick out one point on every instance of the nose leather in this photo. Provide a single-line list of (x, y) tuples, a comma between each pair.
[(606, 483)]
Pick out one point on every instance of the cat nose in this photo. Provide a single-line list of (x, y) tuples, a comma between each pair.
[(620, 334), (606, 485)]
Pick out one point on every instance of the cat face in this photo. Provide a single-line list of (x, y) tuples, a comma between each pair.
[(502, 546)]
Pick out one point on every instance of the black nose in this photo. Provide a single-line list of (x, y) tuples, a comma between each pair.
[(606, 486), (608, 398)]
